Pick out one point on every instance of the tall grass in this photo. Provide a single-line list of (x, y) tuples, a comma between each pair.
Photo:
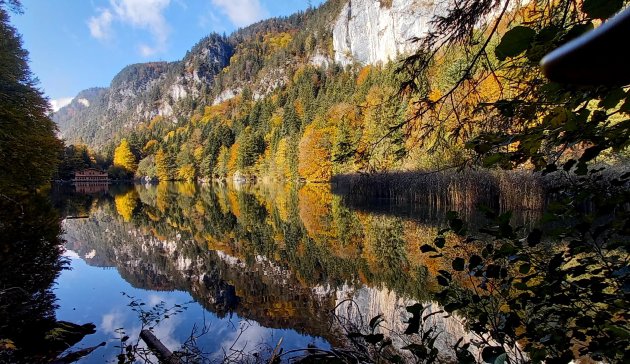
[(459, 190)]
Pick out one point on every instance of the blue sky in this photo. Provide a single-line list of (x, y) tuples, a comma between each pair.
[(77, 44)]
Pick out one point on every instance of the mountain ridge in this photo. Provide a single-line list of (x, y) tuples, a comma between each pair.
[(206, 74)]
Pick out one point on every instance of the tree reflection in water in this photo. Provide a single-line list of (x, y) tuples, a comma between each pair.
[(282, 256), (30, 261)]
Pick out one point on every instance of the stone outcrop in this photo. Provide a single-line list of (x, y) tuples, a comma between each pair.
[(372, 31)]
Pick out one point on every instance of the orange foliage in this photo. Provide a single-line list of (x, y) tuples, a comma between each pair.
[(363, 75), (299, 108), (315, 204), (233, 200), (233, 158), (315, 162)]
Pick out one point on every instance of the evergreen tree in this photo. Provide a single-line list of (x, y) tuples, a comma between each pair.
[(164, 166), (29, 148)]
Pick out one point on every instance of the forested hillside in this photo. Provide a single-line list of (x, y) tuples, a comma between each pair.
[(269, 100), (302, 97)]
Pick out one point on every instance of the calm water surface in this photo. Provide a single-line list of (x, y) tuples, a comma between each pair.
[(255, 264)]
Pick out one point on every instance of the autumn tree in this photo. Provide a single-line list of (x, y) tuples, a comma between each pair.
[(124, 157), (315, 162), (557, 289)]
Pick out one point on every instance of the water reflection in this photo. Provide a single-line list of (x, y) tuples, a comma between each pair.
[(282, 256), (30, 257)]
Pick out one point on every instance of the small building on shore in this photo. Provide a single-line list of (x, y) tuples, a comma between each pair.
[(90, 176)]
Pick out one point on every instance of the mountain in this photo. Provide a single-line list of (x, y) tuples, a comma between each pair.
[(363, 31), (372, 31), (140, 92), (299, 97)]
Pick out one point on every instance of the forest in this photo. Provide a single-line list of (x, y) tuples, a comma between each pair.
[(472, 97)]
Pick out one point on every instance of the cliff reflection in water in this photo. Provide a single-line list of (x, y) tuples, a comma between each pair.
[(285, 257)]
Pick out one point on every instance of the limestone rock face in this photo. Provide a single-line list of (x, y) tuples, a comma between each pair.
[(372, 31), (140, 92)]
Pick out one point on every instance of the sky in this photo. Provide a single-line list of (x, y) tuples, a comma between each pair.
[(78, 44)]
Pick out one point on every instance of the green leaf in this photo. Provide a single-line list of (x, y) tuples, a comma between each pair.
[(514, 42), (612, 99), (524, 268), (491, 354), (601, 9), (493, 159), (442, 281), (458, 264)]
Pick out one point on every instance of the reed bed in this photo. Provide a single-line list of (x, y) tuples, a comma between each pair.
[(459, 190)]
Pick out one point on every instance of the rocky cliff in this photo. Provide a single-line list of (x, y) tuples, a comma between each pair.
[(371, 31), (142, 91)]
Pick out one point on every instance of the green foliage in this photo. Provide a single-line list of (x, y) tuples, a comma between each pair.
[(516, 41), (147, 168), (602, 9), (29, 148), (558, 288)]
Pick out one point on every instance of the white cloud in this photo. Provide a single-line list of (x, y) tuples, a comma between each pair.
[(57, 104), (101, 25), (242, 12), (71, 254), (141, 14), (147, 51), (246, 338), (113, 320)]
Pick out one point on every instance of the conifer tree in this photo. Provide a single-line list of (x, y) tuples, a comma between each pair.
[(29, 149)]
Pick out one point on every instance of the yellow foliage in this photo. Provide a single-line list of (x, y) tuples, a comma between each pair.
[(198, 154), (315, 163), (195, 119), (282, 166), (201, 210), (162, 196), (152, 217), (186, 172), (434, 95), (363, 75), (277, 118), (155, 121), (169, 135), (186, 189), (126, 203), (233, 156), (234, 205), (124, 158), (315, 204), (278, 41), (149, 148), (299, 108), (343, 112)]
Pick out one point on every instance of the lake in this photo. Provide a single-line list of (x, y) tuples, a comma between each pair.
[(252, 267)]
